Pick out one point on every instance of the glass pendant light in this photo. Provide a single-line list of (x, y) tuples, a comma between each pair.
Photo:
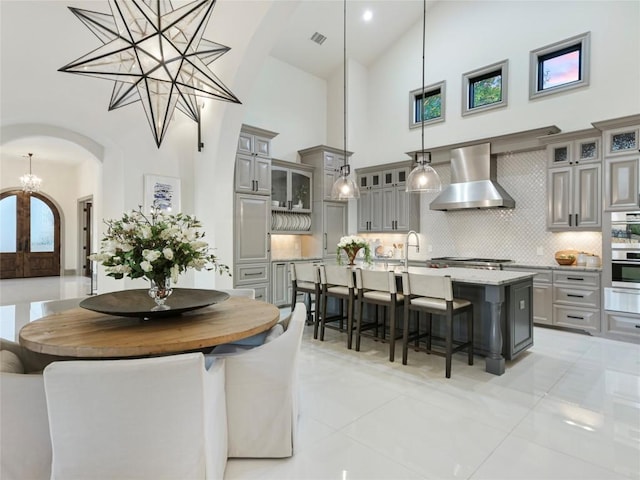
[(344, 187), (423, 178), (30, 182)]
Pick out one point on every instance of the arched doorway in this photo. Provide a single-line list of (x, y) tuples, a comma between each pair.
[(30, 235)]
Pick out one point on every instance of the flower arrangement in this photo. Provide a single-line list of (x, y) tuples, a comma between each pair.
[(157, 246), (351, 244)]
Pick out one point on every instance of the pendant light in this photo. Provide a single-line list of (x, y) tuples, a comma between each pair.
[(30, 182), (423, 178), (344, 187)]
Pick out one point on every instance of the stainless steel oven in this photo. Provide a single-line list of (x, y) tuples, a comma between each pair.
[(625, 268), (625, 249)]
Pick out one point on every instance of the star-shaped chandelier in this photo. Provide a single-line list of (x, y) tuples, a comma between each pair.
[(155, 55)]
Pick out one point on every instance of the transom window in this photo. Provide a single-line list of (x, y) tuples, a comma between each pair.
[(432, 108), (560, 66), (485, 88)]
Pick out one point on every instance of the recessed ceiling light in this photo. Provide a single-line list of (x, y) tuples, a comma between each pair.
[(367, 15)]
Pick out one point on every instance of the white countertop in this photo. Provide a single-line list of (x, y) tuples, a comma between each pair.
[(461, 275)]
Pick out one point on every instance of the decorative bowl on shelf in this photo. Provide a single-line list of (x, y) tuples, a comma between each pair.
[(566, 257)]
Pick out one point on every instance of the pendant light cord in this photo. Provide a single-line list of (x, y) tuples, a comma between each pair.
[(424, 34), (344, 80)]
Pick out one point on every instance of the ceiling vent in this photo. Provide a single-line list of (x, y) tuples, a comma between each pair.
[(318, 38)]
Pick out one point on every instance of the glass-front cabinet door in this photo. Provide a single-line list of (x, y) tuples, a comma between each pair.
[(291, 188)]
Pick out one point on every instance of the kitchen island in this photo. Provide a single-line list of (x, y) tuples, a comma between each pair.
[(503, 310)]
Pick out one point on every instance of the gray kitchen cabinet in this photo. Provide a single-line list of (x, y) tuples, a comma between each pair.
[(542, 294), (624, 326), (335, 218), (327, 162), (253, 175), (252, 214), (621, 183), (388, 208), (574, 152), (291, 186), (574, 199), (576, 300), (280, 284), (621, 141), (253, 161), (252, 211), (370, 210)]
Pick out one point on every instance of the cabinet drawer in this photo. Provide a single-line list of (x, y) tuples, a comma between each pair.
[(582, 297), (623, 323), (584, 319), (577, 278), (542, 276), (262, 292), (251, 273)]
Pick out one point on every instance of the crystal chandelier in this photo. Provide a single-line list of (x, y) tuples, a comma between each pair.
[(344, 187), (30, 182), (423, 178)]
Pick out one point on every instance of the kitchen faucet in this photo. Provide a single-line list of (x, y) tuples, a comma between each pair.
[(417, 245)]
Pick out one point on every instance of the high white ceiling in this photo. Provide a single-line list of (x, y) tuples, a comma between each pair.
[(365, 40)]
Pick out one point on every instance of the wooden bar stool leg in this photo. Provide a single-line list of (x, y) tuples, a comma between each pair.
[(417, 324), (429, 333), (324, 316), (316, 320)]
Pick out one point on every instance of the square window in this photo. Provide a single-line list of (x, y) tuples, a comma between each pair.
[(485, 88), (432, 108), (559, 67)]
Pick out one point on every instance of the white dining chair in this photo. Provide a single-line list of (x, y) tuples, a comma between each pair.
[(262, 393), (159, 417), (25, 446)]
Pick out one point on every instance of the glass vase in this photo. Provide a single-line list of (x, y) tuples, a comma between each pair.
[(160, 291)]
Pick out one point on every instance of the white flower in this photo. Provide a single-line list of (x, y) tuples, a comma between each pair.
[(145, 231), (146, 266), (124, 269), (151, 255), (168, 253), (125, 247), (175, 271), (199, 244), (100, 257)]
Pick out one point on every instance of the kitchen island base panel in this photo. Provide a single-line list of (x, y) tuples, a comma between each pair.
[(495, 366)]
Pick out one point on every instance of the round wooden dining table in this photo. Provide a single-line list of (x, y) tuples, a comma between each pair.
[(82, 333)]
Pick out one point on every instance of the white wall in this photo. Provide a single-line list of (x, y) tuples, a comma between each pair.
[(463, 36), (290, 102)]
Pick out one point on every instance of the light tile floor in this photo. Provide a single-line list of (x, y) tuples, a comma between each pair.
[(568, 408)]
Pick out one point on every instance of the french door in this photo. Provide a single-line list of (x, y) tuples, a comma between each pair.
[(29, 236)]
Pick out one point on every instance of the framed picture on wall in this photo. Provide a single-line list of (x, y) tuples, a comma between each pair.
[(163, 192)]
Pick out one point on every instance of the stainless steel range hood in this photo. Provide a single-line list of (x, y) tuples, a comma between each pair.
[(473, 181)]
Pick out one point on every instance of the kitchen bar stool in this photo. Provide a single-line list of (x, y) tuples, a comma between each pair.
[(337, 282), (434, 295), (305, 278), (377, 288)]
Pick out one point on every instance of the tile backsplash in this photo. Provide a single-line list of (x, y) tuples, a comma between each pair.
[(518, 234)]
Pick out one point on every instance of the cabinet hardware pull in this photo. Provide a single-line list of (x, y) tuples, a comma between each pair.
[(575, 278), (576, 219), (252, 274), (269, 242), (575, 317), (575, 296), (325, 241), (637, 326), (257, 185), (570, 220)]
